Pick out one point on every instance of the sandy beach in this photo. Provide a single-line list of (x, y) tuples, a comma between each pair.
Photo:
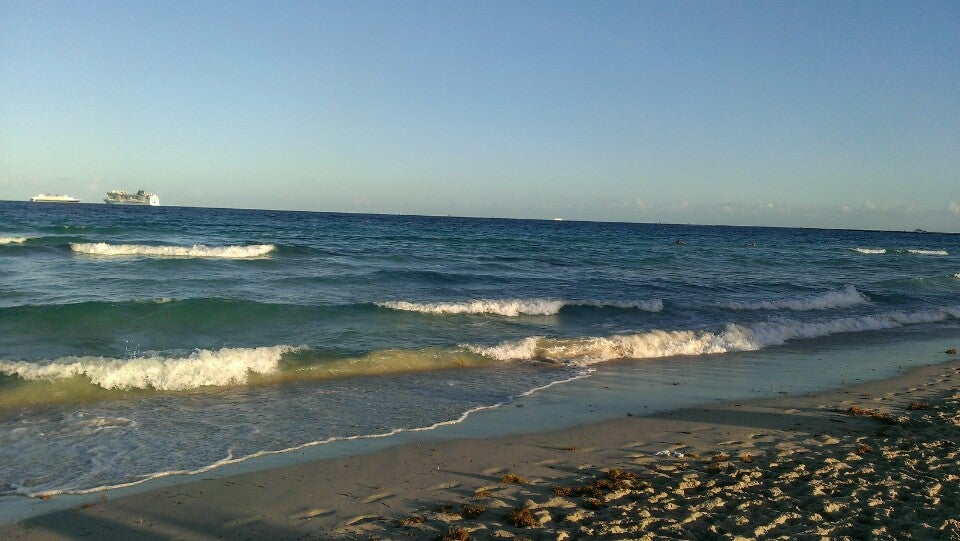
[(877, 460)]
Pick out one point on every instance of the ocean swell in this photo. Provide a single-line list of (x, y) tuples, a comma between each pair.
[(848, 296), (197, 250)]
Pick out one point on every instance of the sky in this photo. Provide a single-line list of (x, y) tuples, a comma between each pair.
[(814, 114)]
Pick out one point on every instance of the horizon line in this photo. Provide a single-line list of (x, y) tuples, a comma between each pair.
[(560, 220)]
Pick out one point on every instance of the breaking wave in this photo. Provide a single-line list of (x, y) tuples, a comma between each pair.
[(276, 364), (207, 368), (918, 251), (13, 240), (848, 296), (914, 251), (514, 307), (228, 366), (734, 337), (197, 250)]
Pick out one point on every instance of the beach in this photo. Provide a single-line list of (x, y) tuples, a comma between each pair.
[(875, 460), (606, 270)]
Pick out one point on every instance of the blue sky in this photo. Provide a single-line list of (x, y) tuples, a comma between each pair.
[(832, 114)]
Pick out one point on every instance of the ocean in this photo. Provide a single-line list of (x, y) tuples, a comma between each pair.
[(136, 342)]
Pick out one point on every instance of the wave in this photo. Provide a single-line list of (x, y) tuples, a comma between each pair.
[(511, 308), (514, 307), (918, 251), (89, 377), (652, 305), (195, 251), (228, 366), (212, 368), (14, 240), (914, 251), (659, 343), (848, 296)]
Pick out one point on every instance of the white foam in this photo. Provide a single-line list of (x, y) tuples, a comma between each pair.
[(228, 366), (848, 296), (230, 459), (870, 250), (102, 424), (957, 276), (513, 307), (13, 240), (918, 251), (659, 343), (197, 250), (648, 345)]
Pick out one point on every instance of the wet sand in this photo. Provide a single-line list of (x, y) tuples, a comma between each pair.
[(878, 460)]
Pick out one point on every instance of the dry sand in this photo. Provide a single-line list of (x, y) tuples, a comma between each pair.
[(874, 461)]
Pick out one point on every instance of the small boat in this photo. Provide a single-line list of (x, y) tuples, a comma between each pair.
[(53, 198)]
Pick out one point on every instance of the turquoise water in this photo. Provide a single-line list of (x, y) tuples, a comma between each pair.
[(138, 341)]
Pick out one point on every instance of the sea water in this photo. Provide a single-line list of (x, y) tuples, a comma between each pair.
[(141, 341)]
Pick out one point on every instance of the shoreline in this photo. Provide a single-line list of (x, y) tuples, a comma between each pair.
[(421, 489), (607, 391)]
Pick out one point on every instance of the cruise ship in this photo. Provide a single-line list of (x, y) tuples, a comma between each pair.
[(53, 198), (120, 197)]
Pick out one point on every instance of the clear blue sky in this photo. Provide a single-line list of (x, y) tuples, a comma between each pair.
[(835, 114)]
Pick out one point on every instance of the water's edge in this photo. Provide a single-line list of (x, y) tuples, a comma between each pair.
[(612, 390)]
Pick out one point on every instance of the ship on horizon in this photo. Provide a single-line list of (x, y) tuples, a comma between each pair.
[(120, 197), (53, 198)]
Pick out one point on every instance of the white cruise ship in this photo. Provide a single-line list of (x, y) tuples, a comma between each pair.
[(120, 197), (53, 198)]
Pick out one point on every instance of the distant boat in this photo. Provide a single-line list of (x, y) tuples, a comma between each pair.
[(558, 219), (53, 198), (120, 197)]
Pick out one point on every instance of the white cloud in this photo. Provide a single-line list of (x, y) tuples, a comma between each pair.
[(641, 204), (954, 207)]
